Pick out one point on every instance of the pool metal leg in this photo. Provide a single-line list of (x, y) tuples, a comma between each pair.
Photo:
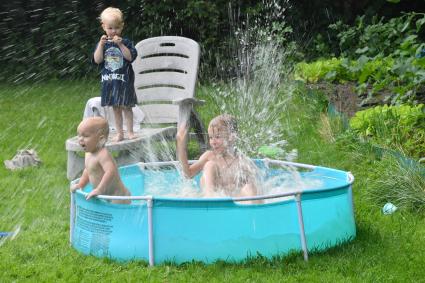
[(150, 232), (301, 224)]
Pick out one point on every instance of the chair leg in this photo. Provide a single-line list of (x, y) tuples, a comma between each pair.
[(196, 123)]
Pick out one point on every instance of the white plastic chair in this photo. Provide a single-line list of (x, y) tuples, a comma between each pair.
[(166, 70), (94, 108)]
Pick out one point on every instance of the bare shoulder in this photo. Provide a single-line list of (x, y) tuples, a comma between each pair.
[(207, 156), (104, 156), (104, 153)]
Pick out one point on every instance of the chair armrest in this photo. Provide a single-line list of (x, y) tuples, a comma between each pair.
[(189, 100), (185, 108)]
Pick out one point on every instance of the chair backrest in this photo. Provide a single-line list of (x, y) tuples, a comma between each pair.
[(165, 69)]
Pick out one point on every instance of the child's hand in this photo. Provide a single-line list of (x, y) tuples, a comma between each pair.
[(74, 187), (93, 193), (181, 135), (103, 39), (117, 39)]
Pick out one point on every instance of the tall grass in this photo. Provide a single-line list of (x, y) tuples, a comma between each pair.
[(34, 202), (399, 180)]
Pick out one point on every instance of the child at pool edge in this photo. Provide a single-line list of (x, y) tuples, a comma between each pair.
[(100, 168), (115, 55), (224, 167)]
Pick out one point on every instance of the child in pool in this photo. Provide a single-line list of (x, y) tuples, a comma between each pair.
[(100, 168), (224, 168), (115, 55)]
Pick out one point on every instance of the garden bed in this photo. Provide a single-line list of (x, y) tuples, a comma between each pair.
[(345, 99)]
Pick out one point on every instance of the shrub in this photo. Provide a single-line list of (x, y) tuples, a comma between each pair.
[(316, 71), (381, 56), (393, 127), (377, 37)]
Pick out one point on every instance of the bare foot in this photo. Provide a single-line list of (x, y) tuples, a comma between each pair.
[(118, 138), (131, 136)]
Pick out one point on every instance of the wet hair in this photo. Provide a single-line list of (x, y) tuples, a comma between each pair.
[(112, 14), (226, 121)]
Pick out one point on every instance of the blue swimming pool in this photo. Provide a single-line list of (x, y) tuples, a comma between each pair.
[(161, 228)]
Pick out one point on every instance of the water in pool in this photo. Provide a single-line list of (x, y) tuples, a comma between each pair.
[(167, 181)]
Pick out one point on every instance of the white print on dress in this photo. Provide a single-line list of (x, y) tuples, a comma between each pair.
[(111, 77), (113, 59)]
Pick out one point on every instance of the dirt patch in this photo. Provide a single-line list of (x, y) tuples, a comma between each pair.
[(342, 96), (345, 99)]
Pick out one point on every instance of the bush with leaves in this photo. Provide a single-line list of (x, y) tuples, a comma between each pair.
[(393, 127), (383, 56), (377, 37)]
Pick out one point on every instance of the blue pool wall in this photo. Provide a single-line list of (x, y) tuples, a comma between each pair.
[(213, 229)]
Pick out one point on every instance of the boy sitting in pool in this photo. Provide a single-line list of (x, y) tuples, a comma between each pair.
[(225, 169), (100, 168)]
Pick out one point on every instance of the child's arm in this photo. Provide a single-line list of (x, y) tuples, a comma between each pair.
[(98, 53), (109, 169), (82, 183), (181, 147)]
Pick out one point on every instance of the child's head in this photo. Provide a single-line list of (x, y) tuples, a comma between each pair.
[(222, 131), (93, 133), (112, 21)]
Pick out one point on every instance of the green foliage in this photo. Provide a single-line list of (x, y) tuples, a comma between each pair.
[(379, 37), (319, 70), (341, 70), (397, 179), (381, 56), (56, 39), (398, 67), (393, 127)]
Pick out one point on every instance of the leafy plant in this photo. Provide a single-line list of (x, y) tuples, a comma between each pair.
[(377, 37), (380, 56), (393, 127), (315, 71)]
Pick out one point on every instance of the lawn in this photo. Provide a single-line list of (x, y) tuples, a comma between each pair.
[(34, 202)]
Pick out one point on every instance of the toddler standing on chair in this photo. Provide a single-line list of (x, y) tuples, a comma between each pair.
[(115, 55)]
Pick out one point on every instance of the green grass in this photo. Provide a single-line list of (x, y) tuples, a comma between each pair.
[(36, 200)]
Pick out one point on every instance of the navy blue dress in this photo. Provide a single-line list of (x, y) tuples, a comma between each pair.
[(117, 76)]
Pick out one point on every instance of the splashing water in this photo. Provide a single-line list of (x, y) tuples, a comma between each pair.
[(273, 179), (259, 90), (257, 95)]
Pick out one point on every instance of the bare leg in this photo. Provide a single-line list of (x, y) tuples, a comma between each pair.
[(208, 180), (249, 190), (118, 123), (128, 114), (122, 191)]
